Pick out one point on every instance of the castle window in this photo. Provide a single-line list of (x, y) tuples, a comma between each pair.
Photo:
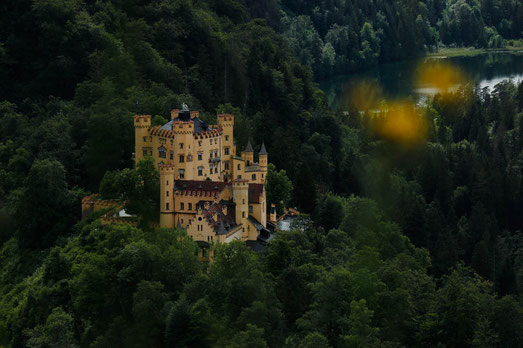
[(239, 166), (226, 164), (182, 173), (171, 155), (181, 205), (216, 141), (210, 154), (243, 214), (166, 206), (199, 143), (200, 171), (167, 183), (190, 206), (162, 152), (254, 177), (226, 151), (239, 176), (200, 155), (216, 168), (189, 158), (167, 193), (215, 153), (210, 141), (262, 176), (145, 152), (144, 139), (226, 138), (251, 209), (210, 168), (243, 201), (181, 145), (172, 141), (182, 159)]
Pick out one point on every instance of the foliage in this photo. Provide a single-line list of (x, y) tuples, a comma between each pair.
[(402, 247), (279, 188), (337, 37)]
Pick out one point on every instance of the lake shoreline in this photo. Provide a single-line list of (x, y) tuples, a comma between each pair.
[(467, 51), (396, 80)]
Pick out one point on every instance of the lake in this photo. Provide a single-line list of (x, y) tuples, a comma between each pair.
[(397, 79)]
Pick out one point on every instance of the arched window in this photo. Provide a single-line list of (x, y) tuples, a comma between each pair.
[(162, 152)]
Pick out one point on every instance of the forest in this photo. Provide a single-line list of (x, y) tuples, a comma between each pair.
[(402, 242), (341, 36)]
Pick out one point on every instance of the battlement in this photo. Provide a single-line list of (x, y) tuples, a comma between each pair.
[(183, 127), (166, 133), (166, 169), (197, 193), (209, 133), (222, 118), (195, 114), (240, 183), (142, 121)]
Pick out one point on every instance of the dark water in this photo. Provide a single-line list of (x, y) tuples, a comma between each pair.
[(397, 79)]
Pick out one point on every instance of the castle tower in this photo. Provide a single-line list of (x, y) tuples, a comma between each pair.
[(142, 123), (167, 196), (174, 113), (248, 154), (263, 158), (183, 137), (240, 196), (226, 122)]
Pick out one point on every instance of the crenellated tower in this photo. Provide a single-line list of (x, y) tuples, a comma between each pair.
[(240, 196), (226, 123), (167, 195), (142, 124)]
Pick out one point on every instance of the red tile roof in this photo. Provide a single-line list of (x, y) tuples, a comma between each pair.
[(224, 222), (255, 190)]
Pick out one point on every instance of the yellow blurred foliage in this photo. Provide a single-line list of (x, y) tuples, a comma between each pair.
[(440, 75), (366, 95), (401, 122)]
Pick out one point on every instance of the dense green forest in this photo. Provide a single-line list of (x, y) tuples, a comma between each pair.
[(341, 36), (399, 245)]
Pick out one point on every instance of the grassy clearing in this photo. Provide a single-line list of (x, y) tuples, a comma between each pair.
[(513, 46)]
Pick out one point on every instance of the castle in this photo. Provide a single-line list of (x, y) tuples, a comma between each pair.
[(205, 187)]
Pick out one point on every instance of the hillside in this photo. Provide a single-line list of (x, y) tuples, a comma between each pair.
[(411, 226)]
